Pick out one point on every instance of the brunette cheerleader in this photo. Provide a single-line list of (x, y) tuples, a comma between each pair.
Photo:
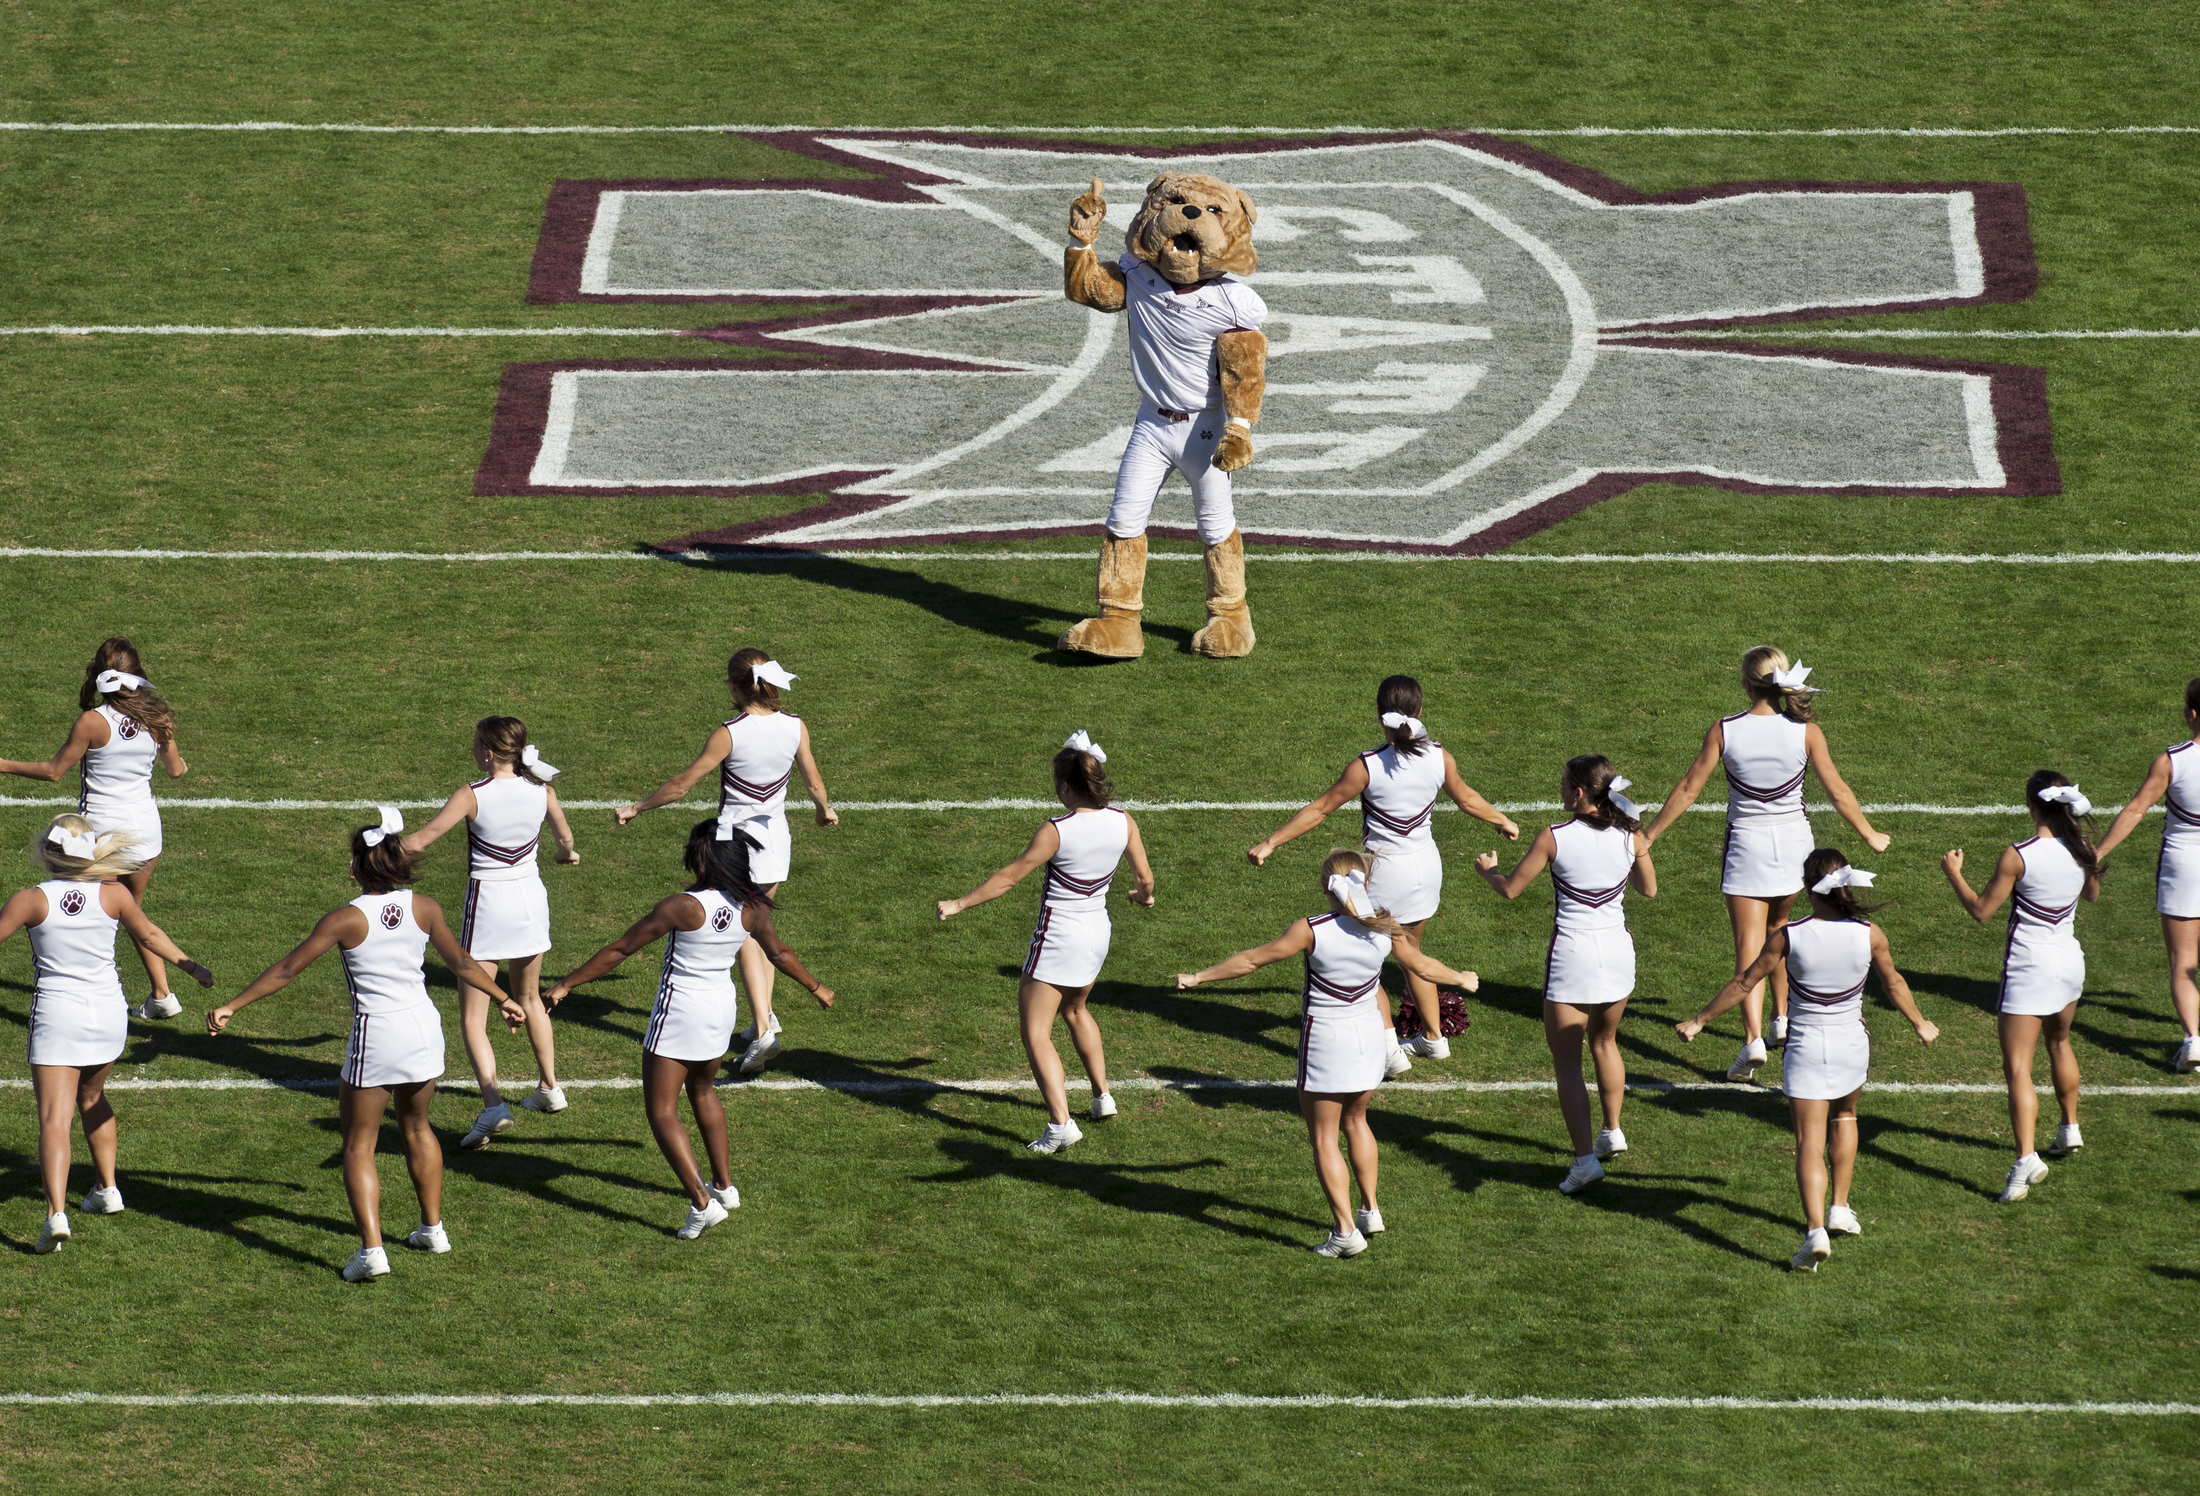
[(2176, 774), (1080, 851)]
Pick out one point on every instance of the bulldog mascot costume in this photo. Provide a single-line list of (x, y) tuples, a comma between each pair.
[(1200, 361)]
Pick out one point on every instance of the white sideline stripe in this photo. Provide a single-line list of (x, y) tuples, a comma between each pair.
[(1217, 1400), (1747, 333), (781, 558), (910, 1086), (1752, 334), (1590, 131), (1509, 807)]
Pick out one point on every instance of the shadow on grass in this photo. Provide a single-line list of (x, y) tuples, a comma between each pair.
[(1971, 992), (508, 1164), (2182, 1274), (194, 1200), (1230, 1015)]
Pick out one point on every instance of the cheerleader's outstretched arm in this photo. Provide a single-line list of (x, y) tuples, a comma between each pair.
[(2149, 795), (1295, 941), (1684, 794), (1348, 786)]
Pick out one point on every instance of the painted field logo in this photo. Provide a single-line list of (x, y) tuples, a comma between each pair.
[(722, 919), (393, 915), (1459, 349), (72, 902)]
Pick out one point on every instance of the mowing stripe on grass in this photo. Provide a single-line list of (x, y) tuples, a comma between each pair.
[(1509, 807), (1587, 131), (1221, 1401), (770, 557)]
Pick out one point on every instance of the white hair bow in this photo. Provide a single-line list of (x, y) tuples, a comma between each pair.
[(1083, 743), (1792, 679), (1620, 802), (1843, 877), (1400, 719), (1350, 890), (393, 821), (2070, 795), (111, 681), (530, 757), (772, 673), (74, 843)]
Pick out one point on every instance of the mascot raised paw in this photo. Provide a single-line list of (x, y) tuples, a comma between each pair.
[(1200, 361)]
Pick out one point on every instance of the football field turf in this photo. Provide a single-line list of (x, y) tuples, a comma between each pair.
[(899, 1258)]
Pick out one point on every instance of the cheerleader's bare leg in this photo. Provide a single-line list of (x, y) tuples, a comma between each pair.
[(2062, 1062), (523, 979), (1810, 1158), (1611, 1065), (155, 968), (1563, 1027), (423, 1151), (663, 1079), (1324, 1113), (757, 978), (65, 1094), (2182, 936), (359, 1112), (2020, 1033), (1841, 1146), (1754, 921), (1419, 990), (473, 1025), (1036, 1003), (1084, 1032), (1360, 1139)]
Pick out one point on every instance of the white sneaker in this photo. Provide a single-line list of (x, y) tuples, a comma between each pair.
[(105, 1201), (1059, 1135), (1746, 1063), (730, 1196), (1341, 1245), (2066, 1141), (429, 1238), (1103, 1107), (2188, 1055), (2023, 1174), (1779, 1033), (1816, 1248), (367, 1262), (1438, 1048), (545, 1099), (1370, 1222), (157, 1007), (760, 1051), (1841, 1219), (1585, 1172), (700, 1221), (1395, 1063), (53, 1233), (1610, 1141), (493, 1120), (743, 1038)]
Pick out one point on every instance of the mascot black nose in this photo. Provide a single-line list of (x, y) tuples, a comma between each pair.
[(1191, 210)]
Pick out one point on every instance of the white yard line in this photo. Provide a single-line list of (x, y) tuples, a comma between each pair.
[(1219, 1401), (1584, 131), (1509, 807), (798, 557)]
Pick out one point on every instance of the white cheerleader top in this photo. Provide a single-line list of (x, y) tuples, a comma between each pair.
[(73, 947), (1400, 797), (385, 971), (1828, 961), (1344, 962), (1078, 875), (759, 763), (1765, 758), (118, 779), (2043, 907), (2183, 804), (1589, 868), (702, 960), (506, 829)]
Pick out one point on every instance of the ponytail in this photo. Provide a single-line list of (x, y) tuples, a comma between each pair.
[(382, 866), (1079, 778), (1829, 860), (111, 851), (1345, 860), (141, 704), (506, 739), (1592, 774), (741, 679), (2060, 823), (724, 865), (1400, 696), (1758, 667)]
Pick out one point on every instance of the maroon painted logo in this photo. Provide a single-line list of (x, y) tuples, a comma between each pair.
[(393, 915), (721, 919), (72, 902), (126, 729)]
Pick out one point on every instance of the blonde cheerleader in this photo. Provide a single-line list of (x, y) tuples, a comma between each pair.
[(2175, 774)]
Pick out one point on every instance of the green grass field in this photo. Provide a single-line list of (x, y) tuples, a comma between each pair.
[(897, 1240)]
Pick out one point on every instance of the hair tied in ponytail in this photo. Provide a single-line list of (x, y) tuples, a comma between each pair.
[(1081, 741), (1620, 802), (530, 758), (2070, 795), (1842, 877), (1410, 724), (111, 681), (393, 821), (73, 843)]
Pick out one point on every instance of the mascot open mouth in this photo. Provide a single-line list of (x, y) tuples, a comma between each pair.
[(1188, 242)]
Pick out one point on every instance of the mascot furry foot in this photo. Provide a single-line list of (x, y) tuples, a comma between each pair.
[(1116, 634), (1229, 631)]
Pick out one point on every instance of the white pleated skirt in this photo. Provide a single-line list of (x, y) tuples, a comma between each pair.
[(2039, 980), (395, 1049), (1341, 1050), (1069, 947), (2177, 879), (83, 1030), (693, 1024), (769, 865), (1824, 1062), (1589, 968), (506, 919), (1410, 884), (1764, 860), (141, 822)]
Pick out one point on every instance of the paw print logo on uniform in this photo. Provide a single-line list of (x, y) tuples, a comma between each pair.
[(72, 902), (721, 919), (393, 915), (126, 728)]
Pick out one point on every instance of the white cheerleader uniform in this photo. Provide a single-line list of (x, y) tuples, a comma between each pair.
[(1592, 957), (1071, 942), (697, 1005), (1828, 1050), (1767, 834), (2177, 873), (507, 908), (1408, 876), (79, 1016), (754, 779), (1342, 1044), (396, 1032), (2043, 968), (118, 783)]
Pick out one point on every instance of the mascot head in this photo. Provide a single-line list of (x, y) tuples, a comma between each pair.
[(1193, 228)]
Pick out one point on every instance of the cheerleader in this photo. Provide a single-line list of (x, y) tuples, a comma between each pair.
[(1766, 751), (1341, 1042), (705, 930), (123, 729), (2175, 773), (2042, 966), (1829, 954), (395, 1052), (755, 753), (1080, 851), (1397, 785), (79, 1015), (1590, 971), (507, 909)]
